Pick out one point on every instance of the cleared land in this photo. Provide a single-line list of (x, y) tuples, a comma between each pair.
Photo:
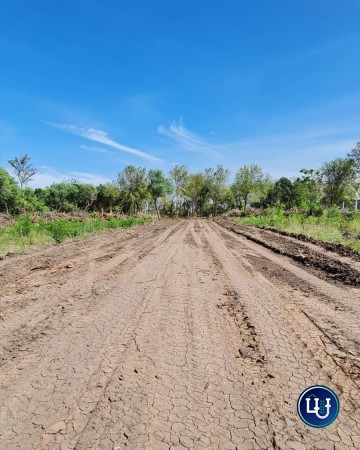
[(177, 335)]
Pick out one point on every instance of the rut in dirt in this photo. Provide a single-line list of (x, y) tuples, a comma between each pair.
[(172, 335)]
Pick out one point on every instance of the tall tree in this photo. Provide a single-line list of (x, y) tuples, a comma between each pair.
[(216, 179), (87, 196), (283, 192), (132, 183), (23, 169), (179, 174), (355, 155), (159, 186), (198, 190), (338, 175), (250, 182), (307, 189), (9, 192), (107, 196)]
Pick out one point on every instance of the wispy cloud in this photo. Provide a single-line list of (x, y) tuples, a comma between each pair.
[(47, 176), (188, 140), (101, 137), (284, 154), (95, 149)]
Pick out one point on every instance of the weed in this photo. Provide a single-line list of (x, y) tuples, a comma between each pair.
[(330, 226)]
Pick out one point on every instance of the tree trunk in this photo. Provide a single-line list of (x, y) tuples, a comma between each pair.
[(157, 209), (245, 202)]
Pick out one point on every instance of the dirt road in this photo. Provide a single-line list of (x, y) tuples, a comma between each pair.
[(169, 336)]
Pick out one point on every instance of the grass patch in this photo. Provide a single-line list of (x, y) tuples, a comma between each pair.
[(23, 234), (330, 226)]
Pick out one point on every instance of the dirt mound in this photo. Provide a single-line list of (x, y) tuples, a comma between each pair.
[(241, 213), (6, 220), (329, 267), (337, 248)]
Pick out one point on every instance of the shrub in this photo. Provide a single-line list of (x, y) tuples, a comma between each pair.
[(23, 226), (59, 230)]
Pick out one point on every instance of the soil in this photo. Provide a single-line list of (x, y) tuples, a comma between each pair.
[(6, 220), (337, 248), (328, 264), (176, 335)]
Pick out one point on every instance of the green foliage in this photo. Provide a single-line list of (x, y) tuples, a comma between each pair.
[(9, 193), (23, 169), (107, 196), (201, 193), (159, 186), (250, 183), (31, 201), (59, 230), (339, 175), (197, 189), (283, 192), (179, 174), (24, 232), (330, 226), (132, 184), (355, 156), (216, 180), (23, 226)]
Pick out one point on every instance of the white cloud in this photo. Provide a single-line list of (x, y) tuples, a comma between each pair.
[(188, 140), (47, 176), (102, 137), (95, 149), (284, 154)]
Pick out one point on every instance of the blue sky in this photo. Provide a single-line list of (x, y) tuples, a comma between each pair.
[(89, 86)]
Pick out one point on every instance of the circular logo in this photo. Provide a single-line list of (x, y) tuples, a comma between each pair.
[(318, 406)]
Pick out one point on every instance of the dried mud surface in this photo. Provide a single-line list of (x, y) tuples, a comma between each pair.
[(174, 335)]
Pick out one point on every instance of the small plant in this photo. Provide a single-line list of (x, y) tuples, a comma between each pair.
[(59, 230), (23, 226), (24, 233)]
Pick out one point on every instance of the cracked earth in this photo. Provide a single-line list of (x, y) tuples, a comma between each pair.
[(174, 335)]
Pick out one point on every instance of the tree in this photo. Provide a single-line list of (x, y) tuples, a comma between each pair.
[(355, 155), (216, 180), (179, 174), (198, 190), (9, 192), (32, 202), (87, 196), (132, 183), (107, 196), (64, 197), (307, 189), (338, 175), (24, 171), (283, 192), (250, 182), (159, 186)]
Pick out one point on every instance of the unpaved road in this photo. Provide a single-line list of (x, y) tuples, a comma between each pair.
[(169, 336)]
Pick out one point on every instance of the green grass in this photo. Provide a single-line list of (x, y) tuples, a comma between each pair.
[(23, 234), (330, 226)]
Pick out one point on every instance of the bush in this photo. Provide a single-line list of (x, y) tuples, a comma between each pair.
[(59, 230), (23, 226)]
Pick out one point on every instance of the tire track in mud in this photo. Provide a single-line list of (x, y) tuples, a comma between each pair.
[(184, 335), (296, 353), (90, 339), (31, 324), (187, 392)]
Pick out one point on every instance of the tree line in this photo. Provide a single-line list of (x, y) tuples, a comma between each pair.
[(182, 193)]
